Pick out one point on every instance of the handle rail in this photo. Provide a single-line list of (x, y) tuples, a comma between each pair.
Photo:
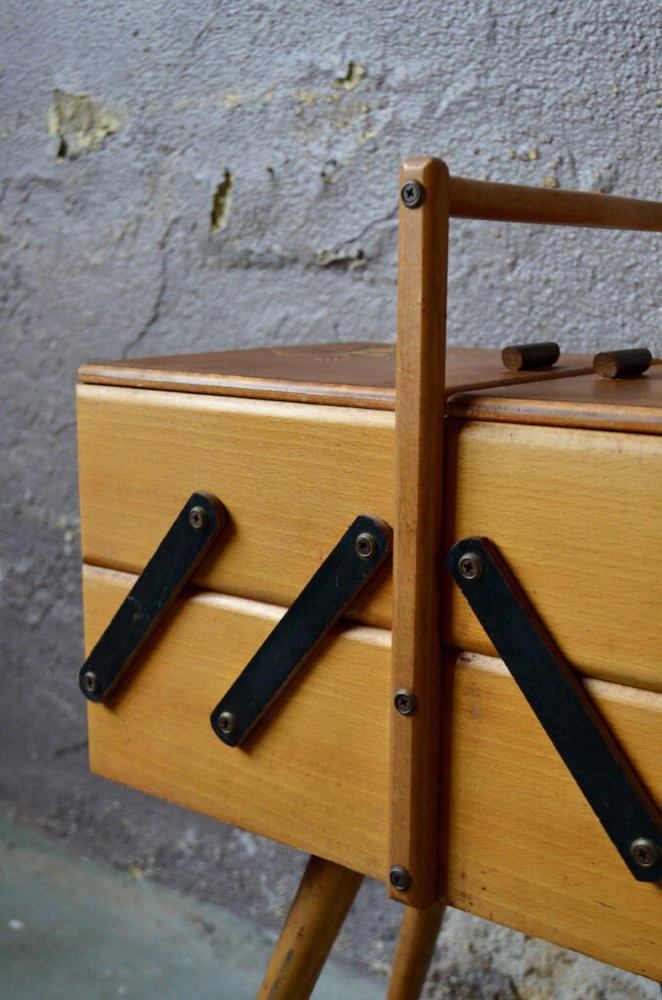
[(486, 200)]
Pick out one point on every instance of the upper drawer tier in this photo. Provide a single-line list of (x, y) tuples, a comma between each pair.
[(576, 510)]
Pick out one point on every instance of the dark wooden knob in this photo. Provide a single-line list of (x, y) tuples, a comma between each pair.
[(527, 357), (621, 364)]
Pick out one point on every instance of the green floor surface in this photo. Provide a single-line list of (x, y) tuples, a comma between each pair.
[(71, 929)]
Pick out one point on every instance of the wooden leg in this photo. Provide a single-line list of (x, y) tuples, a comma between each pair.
[(323, 899), (418, 934)]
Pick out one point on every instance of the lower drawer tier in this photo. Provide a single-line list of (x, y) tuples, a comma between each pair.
[(525, 848)]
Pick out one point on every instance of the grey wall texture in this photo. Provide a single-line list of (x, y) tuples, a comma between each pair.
[(180, 177)]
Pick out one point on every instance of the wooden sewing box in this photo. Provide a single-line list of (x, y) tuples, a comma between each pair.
[(559, 468)]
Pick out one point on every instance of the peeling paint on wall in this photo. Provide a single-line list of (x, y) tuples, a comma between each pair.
[(232, 100), (340, 258), (220, 206), (80, 123), (353, 76)]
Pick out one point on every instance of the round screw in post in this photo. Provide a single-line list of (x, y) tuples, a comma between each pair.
[(404, 702), (412, 194), (400, 878)]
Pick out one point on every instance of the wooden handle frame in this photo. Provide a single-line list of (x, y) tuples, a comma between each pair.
[(515, 203), (420, 738)]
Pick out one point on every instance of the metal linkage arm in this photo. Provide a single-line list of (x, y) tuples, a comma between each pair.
[(343, 574), (562, 705), (191, 535)]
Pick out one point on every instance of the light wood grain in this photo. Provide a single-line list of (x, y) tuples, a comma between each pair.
[(415, 815), (577, 513), (314, 774), (633, 405), (419, 930), (318, 912), (292, 478), (357, 374), (525, 848), (472, 199), (578, 516)]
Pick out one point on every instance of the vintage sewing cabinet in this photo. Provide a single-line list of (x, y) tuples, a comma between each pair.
[(457, 793)]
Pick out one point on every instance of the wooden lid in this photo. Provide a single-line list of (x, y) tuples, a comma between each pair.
[(357, 374), (626, 404)]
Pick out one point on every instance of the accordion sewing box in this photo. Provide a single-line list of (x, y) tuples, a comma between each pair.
[(424, 765)]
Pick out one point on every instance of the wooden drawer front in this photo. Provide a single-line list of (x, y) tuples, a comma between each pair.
[(578, 515), (292, 476), (525, 848), (315, 773)]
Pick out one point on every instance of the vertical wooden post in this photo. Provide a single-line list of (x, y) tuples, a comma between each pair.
[(418, 935), (322, 902), (415, 875)]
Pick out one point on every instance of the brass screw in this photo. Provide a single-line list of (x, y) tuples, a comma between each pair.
[(412, 194), (400, 878), (227, 723), (644, 852), (197, 518), (90, 682), (470, 566), (366, 545)]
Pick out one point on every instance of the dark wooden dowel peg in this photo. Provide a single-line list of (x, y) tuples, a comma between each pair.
[(622, 364), (528, 357)]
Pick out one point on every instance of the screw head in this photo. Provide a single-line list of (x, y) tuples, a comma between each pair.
[(366, 545), (227, 723), (404, 701), (197, 518), (90, 682), (412, 193), (400, 878), (470, 566), (644, 852)]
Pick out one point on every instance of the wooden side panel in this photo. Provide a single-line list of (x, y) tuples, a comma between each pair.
[(578, 516), (313, 775), (292, 478), (525, 848)]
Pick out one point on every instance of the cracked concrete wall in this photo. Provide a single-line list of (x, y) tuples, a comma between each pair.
[(222, 175)]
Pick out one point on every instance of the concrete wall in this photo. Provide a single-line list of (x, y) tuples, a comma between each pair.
[(206, 175)]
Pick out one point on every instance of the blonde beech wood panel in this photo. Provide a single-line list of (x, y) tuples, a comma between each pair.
[(526, 849), (313, 775), (578, 516), (292, 477), (577, 513)]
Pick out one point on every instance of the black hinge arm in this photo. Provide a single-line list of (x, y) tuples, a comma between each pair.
[(343, 574), (562, 705), (189, 538)]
